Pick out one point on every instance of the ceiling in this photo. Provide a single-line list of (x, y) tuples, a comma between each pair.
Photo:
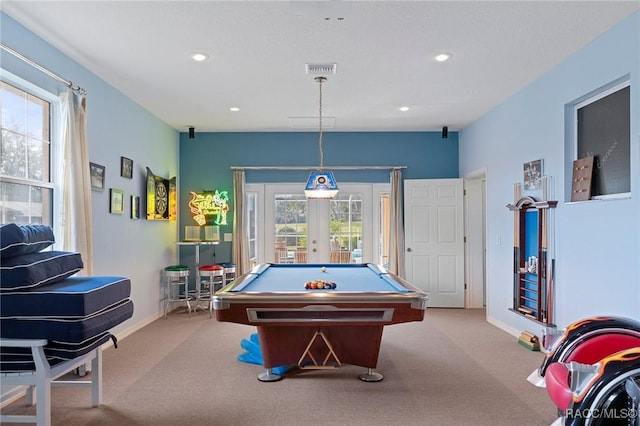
[(384, 51)]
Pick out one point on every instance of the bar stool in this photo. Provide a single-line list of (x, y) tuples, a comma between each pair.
[(229, 272), (209, 276), (177, 277)]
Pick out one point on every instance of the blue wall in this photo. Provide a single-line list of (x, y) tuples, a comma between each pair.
[(116, 126), (596, 244), (206, 161)]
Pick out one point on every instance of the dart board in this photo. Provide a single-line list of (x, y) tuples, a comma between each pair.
[(162, 197)]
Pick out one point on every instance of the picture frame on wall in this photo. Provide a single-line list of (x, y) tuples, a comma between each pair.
[(532, 175), (116, 201), (135, 207), (97, 171), (126, 167)]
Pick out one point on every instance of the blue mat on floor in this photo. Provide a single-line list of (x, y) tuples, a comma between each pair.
[(253, 354)]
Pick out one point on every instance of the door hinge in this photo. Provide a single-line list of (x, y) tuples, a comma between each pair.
[(465, 286), (464, 192), (465, 239)]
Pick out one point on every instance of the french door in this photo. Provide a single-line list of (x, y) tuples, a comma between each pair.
[(345, 229)]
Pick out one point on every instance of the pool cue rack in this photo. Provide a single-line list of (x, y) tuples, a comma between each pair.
[(533, 279)]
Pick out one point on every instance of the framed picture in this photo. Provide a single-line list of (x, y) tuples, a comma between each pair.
[(126, 167), (532, 175), (116, 204), (96, 172), (135, 207)]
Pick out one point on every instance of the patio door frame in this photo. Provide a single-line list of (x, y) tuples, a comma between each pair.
[(317, 213)]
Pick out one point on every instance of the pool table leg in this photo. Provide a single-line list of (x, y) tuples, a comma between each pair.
[(269, 376), (371, 376)]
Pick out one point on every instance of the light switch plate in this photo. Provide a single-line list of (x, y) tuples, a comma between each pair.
[(228, 236)]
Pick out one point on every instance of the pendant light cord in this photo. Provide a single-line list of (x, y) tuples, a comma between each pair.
[(320, 80)]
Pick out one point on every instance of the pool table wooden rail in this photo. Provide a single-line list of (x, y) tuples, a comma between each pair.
[(324, 314)]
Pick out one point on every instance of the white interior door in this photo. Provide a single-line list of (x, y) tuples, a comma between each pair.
[(434, 238)]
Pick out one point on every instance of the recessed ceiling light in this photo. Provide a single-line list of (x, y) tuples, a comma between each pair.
[(404, 108), (199, 57), (443, 57), (234, 109)]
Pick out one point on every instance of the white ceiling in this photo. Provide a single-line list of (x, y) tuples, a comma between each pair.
[(258, 50)]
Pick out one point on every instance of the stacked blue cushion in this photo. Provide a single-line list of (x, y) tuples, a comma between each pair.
[(41, 299), (70, 298), (37, 269), (16, 240), (23, 263)]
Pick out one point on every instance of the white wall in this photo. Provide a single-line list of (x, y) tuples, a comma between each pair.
[(597, 243)]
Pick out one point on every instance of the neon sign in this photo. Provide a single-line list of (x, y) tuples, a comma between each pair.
[(209, 204)]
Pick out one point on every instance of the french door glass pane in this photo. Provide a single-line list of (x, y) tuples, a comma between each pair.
[(290, 228), (252, 228), (385, 226), (346, 228)]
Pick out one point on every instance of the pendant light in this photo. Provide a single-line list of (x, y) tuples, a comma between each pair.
[(321, 182)]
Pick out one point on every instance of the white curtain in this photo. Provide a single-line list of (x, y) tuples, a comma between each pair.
[(396, 232), (75, 183), (240, 237)]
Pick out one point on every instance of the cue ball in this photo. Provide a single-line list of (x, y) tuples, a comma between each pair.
[(323, 269)]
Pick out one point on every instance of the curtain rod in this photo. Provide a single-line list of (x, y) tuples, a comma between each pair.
[(39, 67), (315, 167)]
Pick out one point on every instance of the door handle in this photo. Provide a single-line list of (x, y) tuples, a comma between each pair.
[(409, 249)]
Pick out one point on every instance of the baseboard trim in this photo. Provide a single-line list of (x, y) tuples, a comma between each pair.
[(123, 334), (502, 326)]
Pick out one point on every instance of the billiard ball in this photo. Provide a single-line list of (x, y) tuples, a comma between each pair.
[(323, 269)]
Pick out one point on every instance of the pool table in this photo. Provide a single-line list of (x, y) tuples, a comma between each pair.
[(319, 328)]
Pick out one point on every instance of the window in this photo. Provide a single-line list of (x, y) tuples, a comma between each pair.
[(25, 157), (252, 227), (384, 228), (290, 227), (346, 228), (602, 130)]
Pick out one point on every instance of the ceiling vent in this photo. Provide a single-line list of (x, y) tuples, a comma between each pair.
[(320, 69)]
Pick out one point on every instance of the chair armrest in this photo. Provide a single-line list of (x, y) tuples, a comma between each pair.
[(22, 343)]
